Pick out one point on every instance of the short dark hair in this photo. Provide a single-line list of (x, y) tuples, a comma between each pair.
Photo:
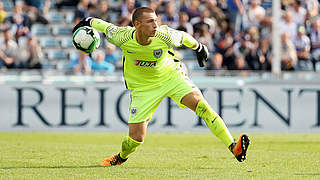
[(139, 11)]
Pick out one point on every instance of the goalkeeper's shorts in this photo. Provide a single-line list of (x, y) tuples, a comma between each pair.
[(145, 101)]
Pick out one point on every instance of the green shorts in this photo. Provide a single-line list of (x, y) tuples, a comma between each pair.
[(145, 101)]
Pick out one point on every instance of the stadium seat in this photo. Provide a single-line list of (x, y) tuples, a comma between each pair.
[(57, 55), (66, 43), (63, 65), (55, 17), (50, 42), (61, 30), (40, 30), (7, 5), (69, 17)]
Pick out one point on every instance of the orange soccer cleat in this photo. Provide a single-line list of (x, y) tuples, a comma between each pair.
[(113, 160), (239, 149)]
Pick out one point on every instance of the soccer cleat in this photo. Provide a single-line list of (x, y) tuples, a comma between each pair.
[(113, 160), (239, 149)]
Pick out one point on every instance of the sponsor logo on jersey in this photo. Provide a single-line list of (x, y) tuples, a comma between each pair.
[(157, 53), (146, 63)]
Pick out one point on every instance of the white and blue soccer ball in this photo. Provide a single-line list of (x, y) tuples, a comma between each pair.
[(86, 39)]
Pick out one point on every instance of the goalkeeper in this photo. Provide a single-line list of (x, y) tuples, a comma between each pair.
[(151, 73)]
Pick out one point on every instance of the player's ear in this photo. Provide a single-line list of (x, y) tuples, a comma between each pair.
[(136, 23)]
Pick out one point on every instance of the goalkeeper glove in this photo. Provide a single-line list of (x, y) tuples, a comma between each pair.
[(202, 54), (83, 22)]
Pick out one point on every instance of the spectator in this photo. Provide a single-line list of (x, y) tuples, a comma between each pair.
[(35, 54), (302, 44), (103, 12), (240, 63), (159, 20), (170, 17), (18, 22), (215, 11), (205, 37), (2, 13), (154, 4), (256, 13), (203, 19), (126, 12), (237, 15), (287, 25), (216, 62), (183, 24), (8, 51), (312, 7), (315, 43), (222, 29), (289, 55), (254, 35), (81, 63), (264, 54), (267, 6), (92, 10), (246, 49), (36, 10), (110, 56), (61, 3), (225, 47), (192, 10), (298, 12), (99, 65), (81, 11)]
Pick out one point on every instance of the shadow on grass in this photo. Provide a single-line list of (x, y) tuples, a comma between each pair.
[(307, 174), (50, 167)]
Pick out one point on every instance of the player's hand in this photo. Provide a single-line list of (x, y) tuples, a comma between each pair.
[(83, 22), (202, 54)]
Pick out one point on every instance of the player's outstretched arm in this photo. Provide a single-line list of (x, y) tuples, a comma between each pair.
[(201, 50), (96, 23), (114, 34)]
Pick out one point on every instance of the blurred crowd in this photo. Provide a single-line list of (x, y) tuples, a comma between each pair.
[(236, 32)]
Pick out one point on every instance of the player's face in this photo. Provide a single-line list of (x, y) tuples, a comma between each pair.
[(148, 24)]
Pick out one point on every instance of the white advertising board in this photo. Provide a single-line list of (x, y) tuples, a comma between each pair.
[(105, 106)]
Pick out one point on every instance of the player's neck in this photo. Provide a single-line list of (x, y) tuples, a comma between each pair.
[(143, 40)]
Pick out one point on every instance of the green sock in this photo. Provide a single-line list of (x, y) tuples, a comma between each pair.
[(129, 145), (214, 122)]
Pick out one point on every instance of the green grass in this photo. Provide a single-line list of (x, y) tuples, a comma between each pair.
[(162, 156)]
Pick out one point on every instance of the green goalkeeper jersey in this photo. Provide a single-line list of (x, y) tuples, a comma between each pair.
[(145, 65)]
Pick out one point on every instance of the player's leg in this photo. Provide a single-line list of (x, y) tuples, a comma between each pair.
[(198, 104), (137, 133), (195, 101), (142, 106)]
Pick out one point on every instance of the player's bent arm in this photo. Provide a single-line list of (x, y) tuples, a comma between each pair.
[(189, 41), (200, 49)]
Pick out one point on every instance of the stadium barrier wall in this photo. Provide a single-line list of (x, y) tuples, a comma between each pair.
[(251, 107)]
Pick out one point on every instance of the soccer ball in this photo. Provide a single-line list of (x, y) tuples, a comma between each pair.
[(86, 39)]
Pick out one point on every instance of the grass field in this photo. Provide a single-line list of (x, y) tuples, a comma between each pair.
[(162, 156)]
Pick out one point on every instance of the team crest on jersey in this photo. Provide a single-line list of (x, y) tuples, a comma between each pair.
[(157, 53)]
